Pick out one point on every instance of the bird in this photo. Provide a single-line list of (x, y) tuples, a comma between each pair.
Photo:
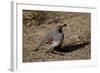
[(54, 39)]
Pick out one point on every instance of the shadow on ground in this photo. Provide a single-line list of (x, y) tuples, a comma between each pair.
[(71, 48)]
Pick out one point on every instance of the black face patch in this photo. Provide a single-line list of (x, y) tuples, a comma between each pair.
[(60, 30)]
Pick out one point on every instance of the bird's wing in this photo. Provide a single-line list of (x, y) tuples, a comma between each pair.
[(44, 40)]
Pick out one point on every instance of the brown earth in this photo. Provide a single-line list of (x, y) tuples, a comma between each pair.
[(77, 35)]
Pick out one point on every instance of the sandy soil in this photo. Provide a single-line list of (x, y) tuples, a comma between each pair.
[(77, 35)]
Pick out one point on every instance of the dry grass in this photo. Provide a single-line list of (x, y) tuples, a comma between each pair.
[(77, 35)]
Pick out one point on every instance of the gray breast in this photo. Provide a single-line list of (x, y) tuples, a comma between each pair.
[(57, 36)]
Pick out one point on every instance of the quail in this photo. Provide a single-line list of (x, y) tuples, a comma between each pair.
[(53, 39)]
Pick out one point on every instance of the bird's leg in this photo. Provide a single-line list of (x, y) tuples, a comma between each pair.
[(50, 49)]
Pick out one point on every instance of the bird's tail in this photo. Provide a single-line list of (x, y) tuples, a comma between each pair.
[(36, 49)]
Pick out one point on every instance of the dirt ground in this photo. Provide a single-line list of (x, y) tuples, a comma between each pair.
[(77, 35)]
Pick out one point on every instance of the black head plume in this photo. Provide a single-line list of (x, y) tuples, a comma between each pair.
[(64, 25)]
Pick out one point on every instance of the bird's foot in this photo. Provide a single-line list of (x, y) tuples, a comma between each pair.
[(47, 52), (58, 53), (55, 52)]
